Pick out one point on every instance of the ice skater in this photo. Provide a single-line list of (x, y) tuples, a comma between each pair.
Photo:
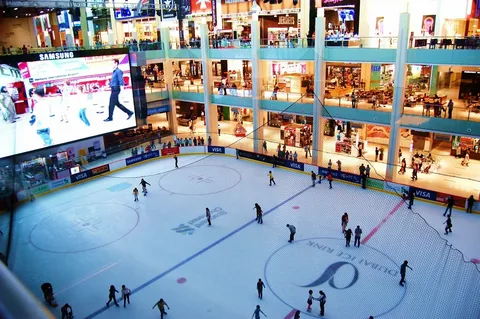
[(176, 161), (67, 312), (293, 230), (126, 295), (411, 197), (272, 179), (259, 213), (358, 234), (310, 300), (403, 270), (161, 306), (257, 313), (297, 315), (348, 237), (449, 205), (111, 296), (448, 228), (209, 216), (344, 222), (144, 184), (314, 178), (323, 300), (260, 286), (135, 194), (330, 179), (116, 83)]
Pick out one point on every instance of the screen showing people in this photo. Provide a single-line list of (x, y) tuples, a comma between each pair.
[(55, 98)]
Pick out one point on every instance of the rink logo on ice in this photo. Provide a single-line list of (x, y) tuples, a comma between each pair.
[(216, 149), (331, 266), (198, 222)]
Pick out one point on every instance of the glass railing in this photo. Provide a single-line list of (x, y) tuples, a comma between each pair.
[(195, 88), (240, 92), (155, 87), (434, 42), (230, 43), (287, 43), (145, 46), (287, 96), (362, 42), (179, 45)]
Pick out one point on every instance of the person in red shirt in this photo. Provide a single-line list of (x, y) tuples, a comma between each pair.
[(330, 179)]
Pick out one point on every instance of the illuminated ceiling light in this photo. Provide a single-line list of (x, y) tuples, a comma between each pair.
[(15, 9)]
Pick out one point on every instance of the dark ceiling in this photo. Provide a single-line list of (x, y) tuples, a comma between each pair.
[(23, 12)]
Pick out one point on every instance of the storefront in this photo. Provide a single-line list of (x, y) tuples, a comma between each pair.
[(344, 76), (297, 135), (290, 77), (143, 29), (461, 145), (342, 17), (158, 116), (284, 119)]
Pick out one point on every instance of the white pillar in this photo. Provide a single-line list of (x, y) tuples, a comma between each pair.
[(113, 23), (256, 87), (304, 16), (319, 88), (211, 118), (398, 94), (168, 78)]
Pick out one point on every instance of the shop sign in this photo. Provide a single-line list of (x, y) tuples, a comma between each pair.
[(158, 109), (336, 3), (295, 165), (424, 193), (100, 170), (81, 176), (214, 13), (216, 149), (142, 157), (170, 151), (233, 1), (348, 177), (59, 183), (284, 20)]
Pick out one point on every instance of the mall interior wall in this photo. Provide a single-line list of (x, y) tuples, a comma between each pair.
[(17, 32)]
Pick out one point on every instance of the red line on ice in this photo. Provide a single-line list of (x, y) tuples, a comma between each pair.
[(394, 210), (291, 314)]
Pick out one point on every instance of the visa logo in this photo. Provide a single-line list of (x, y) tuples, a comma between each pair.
[(423, 194), (295, 165), (216, 150)]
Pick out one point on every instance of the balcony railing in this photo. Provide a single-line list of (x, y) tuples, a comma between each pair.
[(195, 88), (291, 43), (434, 42), (362, 42), (230, 43)]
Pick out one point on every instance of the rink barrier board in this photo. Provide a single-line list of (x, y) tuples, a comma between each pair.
[(230, 152)]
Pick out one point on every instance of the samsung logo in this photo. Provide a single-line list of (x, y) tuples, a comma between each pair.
[(55, 56)]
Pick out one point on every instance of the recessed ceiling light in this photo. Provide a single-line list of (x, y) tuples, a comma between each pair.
[(16, 17), (15, 9), (41, 11)]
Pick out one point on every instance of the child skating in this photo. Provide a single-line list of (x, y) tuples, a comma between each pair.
[(272, 179), (135, 194), (161, 306), (257, 313), (144, 186), (448, 228), (209, 216), (310, 300)]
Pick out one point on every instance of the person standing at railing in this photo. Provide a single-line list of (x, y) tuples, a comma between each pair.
[(115, 84)]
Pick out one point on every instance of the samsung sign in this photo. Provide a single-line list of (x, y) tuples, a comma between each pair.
[(55, 56)]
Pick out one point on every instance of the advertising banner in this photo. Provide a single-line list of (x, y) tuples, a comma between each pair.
[(81, 176), (59, 183), (271, 159), (170, 151), (100, 170), (216, 149), (459, 201), (295, 165), (142, 157), (373, 183), (348, 177), (61, 97), (201, 6), (424, 193)]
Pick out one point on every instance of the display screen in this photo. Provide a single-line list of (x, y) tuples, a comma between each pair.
[(55, 98)]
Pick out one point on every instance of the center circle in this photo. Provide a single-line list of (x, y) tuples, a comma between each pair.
[(84, 227), (357, 275), (200, 180)]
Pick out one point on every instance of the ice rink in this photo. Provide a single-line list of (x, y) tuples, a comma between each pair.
[(85, 238)]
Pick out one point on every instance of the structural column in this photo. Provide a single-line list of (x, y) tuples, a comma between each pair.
[(434, 80), (168, 78), (55, 33), (319, 88), (398, 95), (256, 86), (211, 122), (84, 27)]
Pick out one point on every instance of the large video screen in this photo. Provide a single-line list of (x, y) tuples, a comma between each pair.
[(50, 99)]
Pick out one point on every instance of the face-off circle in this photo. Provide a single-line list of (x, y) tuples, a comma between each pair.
[(84, 227), (352, 278), (200, 180)]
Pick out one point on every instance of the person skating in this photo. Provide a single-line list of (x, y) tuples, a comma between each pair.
[(126, 295), (144, 186), (260, 286), (297, 315), (449, 205), (314, 178), (257, 313), (310, 300), (209, 216), (272, 179), (330, 179), (293, 230), (470, 202), (259, 217), (348, 237), (116, 83), (111, 296), (358, 234), (403, 269), (176, 161), (161, 306), (323, 300), (448, 228), (135, 194), (67, 312), (411, 197), (344, 222)]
